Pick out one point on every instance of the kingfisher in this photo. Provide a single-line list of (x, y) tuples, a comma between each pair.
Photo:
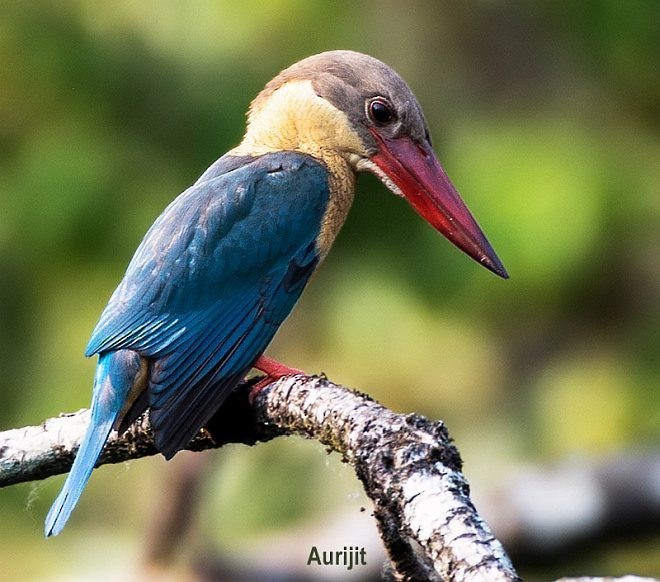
[(224, 264)]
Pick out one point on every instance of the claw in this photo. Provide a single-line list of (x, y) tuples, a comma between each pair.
[(274, 370)]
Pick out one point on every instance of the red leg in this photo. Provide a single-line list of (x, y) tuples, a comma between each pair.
[(273, 370)]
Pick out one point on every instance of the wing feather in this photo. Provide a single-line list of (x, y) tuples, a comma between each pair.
[(212, 281)]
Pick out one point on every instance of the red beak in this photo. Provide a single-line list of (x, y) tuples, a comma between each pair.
[(416, 171)]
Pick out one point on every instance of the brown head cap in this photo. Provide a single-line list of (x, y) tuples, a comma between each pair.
[(351, 81)]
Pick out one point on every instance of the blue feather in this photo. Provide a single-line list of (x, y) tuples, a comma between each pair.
[(212, 281), (116, 375), (205, 293)]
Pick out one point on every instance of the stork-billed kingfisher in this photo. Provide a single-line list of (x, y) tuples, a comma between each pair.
[(224, 264)]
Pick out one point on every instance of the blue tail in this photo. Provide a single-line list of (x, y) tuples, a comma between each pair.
[(116, 376)]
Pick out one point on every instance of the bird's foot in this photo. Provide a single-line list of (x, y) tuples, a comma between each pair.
[(274, 370)]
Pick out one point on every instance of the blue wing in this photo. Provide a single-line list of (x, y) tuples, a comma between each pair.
[(212, 281)]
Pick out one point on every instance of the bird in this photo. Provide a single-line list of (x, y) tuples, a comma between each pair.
[(224, 264)]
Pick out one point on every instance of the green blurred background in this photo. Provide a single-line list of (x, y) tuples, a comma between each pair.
[(544, 114)]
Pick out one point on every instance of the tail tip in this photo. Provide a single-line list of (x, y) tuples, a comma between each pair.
[(53, 525)]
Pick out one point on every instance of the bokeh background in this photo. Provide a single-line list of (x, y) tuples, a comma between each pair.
[(545, 115)]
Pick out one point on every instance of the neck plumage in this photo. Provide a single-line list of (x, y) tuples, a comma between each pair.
[(294, 118)]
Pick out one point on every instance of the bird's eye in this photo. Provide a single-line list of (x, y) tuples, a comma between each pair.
[(380, 111)]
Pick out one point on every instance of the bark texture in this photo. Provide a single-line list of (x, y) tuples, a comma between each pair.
[(407, 464)]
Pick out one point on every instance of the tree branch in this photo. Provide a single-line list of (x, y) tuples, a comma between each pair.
[(407, 464)]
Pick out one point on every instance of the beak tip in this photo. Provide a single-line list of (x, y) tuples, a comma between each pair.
[(495, 265), (504, 274)]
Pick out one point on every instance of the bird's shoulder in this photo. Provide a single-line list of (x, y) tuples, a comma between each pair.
[(242, 221)]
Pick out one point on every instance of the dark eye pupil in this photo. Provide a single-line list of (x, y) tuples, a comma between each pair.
[(381, 112)]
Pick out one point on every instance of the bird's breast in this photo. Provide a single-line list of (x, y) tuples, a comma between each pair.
[(341, 181)]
